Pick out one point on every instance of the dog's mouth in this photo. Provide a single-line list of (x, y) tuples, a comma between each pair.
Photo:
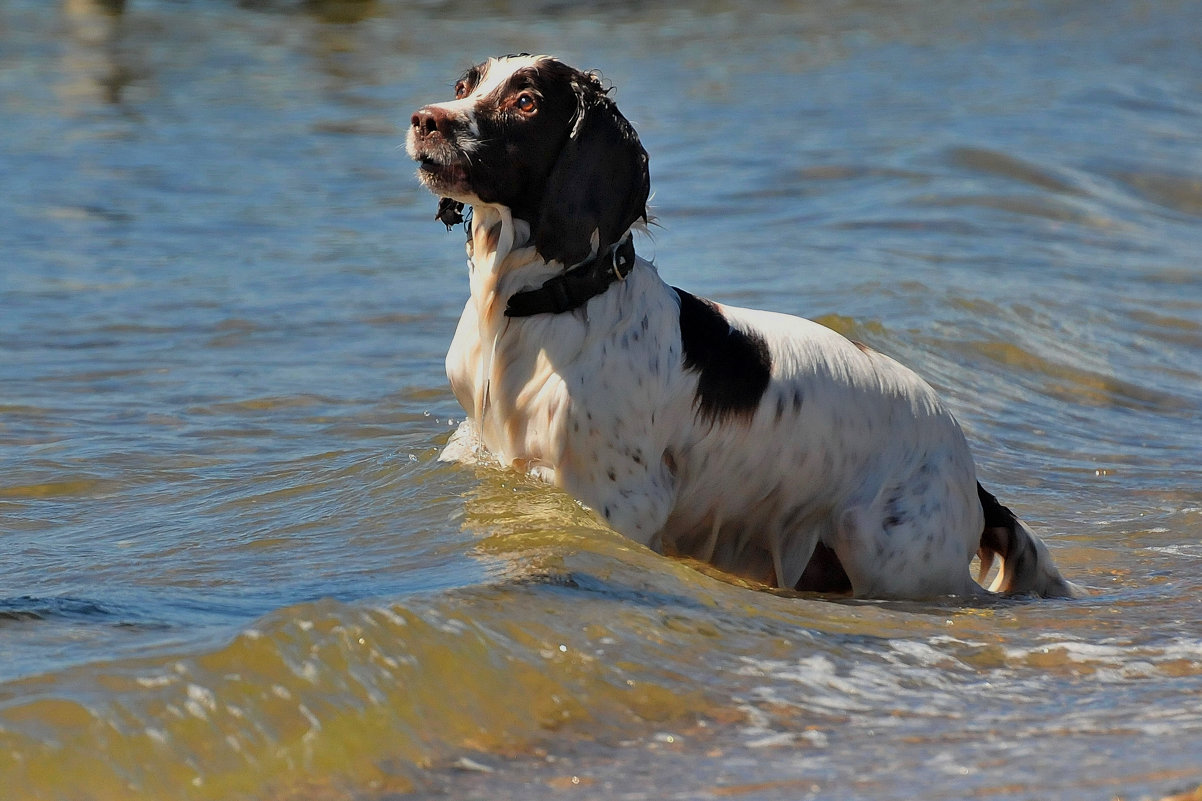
[(441, 176), (440, 170)]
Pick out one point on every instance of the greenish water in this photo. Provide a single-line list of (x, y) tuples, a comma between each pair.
[(232, 568)]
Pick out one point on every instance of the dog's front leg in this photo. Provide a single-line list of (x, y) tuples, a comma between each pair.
[(633, 493)]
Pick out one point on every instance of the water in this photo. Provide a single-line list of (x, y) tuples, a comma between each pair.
[(233, 568)]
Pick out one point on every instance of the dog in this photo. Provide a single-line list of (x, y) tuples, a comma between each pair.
[(765, 444)]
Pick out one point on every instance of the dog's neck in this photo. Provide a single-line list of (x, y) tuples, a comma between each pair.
[(573, 288), (508, 276)]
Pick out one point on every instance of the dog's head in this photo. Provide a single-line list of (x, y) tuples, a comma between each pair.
[(543, 139)]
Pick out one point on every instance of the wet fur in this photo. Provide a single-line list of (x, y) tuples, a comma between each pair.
[(765, 444)]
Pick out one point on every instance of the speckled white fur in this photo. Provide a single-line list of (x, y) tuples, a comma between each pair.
[(596, 401)]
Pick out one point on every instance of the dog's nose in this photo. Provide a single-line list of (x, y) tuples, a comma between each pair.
[(428, 119)]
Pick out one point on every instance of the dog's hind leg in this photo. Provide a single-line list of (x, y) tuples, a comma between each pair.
[(905, 543), (791, 553)]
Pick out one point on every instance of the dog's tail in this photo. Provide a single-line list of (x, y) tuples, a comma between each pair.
[(1027, 567)]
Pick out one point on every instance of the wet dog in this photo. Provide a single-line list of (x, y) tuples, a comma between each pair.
[(765, 444)]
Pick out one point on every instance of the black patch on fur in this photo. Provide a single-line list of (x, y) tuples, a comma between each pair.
[(734, 366), (600, 181), (1003, 537), (998, 519)]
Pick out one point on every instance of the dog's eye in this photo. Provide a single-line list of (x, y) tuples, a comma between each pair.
[(526, 104), (461, 90)]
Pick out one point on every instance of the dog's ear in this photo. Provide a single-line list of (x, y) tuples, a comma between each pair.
[(599, 185)]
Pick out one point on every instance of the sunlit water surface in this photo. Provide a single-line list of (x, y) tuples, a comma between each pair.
[(232, 568)]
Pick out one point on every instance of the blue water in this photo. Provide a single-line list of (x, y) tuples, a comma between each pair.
[(233, 568)]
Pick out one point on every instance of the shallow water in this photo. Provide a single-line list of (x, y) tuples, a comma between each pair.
[(233, 568)]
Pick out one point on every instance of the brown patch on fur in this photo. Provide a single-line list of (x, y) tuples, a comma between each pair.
[(863, 348), (491, 237)]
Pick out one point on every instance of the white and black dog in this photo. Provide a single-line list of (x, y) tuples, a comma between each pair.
[(765, 444)]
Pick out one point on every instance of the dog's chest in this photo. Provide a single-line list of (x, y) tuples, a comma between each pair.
[(576, 394)]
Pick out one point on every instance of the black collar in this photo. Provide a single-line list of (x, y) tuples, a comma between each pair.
[(572, 289)]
